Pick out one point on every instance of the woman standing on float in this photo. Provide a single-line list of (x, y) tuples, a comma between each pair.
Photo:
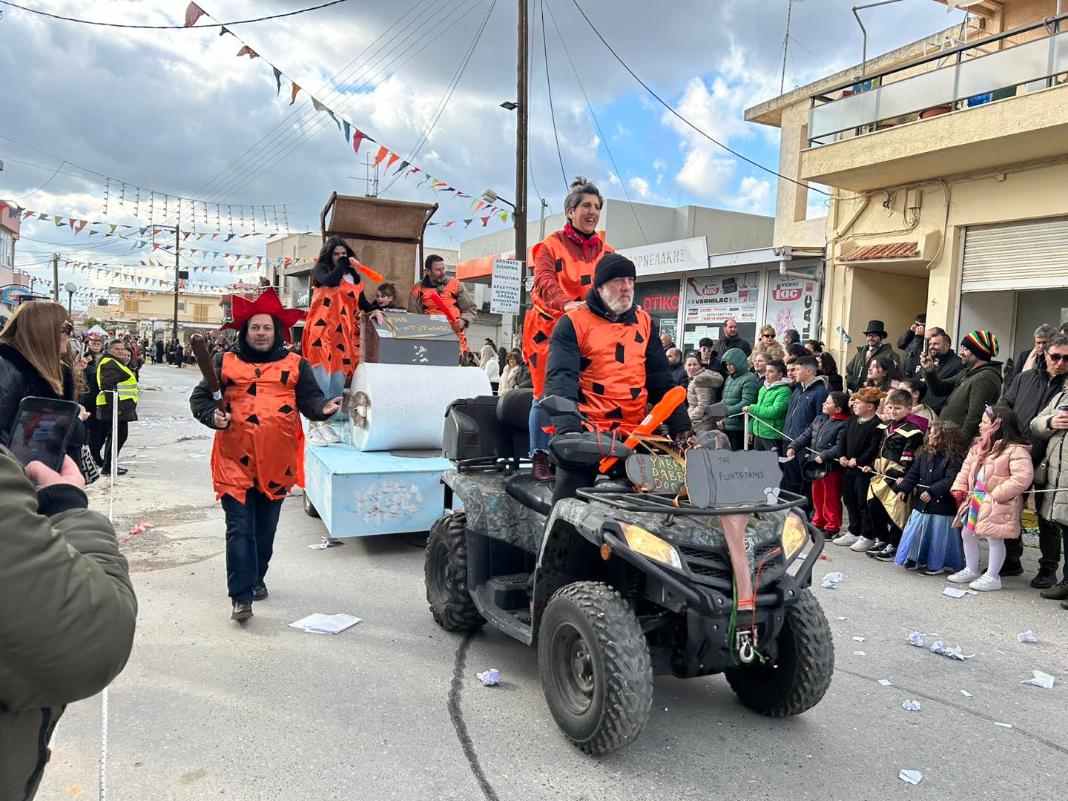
[(331, 342), (563, 274)]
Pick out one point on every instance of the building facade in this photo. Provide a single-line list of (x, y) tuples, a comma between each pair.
[(151, 314), (944, 165)]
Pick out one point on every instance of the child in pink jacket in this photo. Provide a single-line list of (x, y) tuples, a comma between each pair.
[(989, 490)]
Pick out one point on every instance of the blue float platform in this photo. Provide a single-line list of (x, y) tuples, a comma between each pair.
[(359, 493)]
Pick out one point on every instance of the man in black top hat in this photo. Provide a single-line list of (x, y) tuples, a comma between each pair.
[(857, 370)]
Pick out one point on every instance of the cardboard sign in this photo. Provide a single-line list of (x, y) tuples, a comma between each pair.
[(660, 475), (717, 478)]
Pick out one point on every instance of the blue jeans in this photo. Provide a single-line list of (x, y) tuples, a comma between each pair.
[(250, 528), (539, 440), (332, 385)]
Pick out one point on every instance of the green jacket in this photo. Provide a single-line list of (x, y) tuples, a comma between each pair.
[(68, 617), (771, 405), (969, 392), (740, 390)]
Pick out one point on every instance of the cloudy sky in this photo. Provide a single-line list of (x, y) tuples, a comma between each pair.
[(176, 112)]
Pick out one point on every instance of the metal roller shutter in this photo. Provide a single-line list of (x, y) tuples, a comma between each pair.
[(1026, 255)]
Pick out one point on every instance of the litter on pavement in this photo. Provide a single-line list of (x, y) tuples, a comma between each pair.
[(832, 580), (910, 776), (1003, 725), (489, 678), (319, 546), (858, 639), (911, 705), (859, 653), (916, 638), (319, 623), (954, 592), (966, 694), (886, 683), (1027, 636), (952, 651), (1040, 679)]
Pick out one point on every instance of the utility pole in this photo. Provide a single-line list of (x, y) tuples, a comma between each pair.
[(520, 213), (177, 245), (55, 277), (541, 217)]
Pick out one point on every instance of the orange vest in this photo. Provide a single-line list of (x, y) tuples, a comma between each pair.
[(332, 329), (575, 277), (263, 447), (449, 293), (612, 390)]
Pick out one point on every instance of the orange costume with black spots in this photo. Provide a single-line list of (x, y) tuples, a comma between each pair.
[(563, 272), (263, 447), (332, 330)]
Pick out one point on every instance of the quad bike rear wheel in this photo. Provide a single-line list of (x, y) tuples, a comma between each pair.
[(445, 571), (595, 668), (800, 675)]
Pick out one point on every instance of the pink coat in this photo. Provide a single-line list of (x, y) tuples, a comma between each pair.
[(1008, 475)]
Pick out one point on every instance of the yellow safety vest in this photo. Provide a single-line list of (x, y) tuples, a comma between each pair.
[(127, 388)]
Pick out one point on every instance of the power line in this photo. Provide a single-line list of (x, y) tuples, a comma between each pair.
[(446, 97), (169, 27), (549, 88), (597, 124), (670, 108)]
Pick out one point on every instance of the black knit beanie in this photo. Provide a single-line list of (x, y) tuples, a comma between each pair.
[(612, 265)]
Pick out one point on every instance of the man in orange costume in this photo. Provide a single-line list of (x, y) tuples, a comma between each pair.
[(450, 290), (259, 445), (605, 357)]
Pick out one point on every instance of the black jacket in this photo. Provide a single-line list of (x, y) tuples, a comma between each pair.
[(19, 379), (946, 367), (912, 345), (805, 405), (310, 398), (562, 375), (1027, 395), (679, 376), (933, 473), (900, 445), (824, 436), (860, 440)]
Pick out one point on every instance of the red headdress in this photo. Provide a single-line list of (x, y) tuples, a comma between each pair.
[(266, 303)]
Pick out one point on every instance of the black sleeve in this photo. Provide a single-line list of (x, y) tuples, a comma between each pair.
[(561, 376), (905, 339), (944, 484), (200, 402), (327, 276), (365, 304), (872, 443), (310, 398), (1011, 391), (911, 478), (658, 381), (842, 439)]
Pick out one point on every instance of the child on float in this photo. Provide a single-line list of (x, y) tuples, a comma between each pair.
[(824, 436), (989, 490), (929, 541), (858, 446), (901, 439)]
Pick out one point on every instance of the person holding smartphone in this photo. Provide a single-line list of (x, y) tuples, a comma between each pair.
[(69, 611)]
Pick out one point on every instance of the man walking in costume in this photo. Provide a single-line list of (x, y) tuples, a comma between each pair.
[(259, 446)]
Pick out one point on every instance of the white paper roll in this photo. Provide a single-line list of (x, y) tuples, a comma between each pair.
[(400, 406)]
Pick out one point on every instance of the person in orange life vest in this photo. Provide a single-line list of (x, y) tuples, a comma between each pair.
[(563, 274), (451, 290), (331, 341), (604, 357), (259, 447)]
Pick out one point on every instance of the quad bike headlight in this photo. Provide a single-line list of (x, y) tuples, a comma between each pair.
[(648, 544), (794, 536)]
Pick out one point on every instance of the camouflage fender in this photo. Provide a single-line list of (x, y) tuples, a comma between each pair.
[(493, 513)]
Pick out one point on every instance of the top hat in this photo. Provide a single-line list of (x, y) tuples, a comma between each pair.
[(875, 327)]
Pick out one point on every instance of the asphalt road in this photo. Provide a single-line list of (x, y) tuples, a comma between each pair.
[(206, 709)]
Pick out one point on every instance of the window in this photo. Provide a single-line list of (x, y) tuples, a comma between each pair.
[(131, 306), (200, 313), (7, 249)]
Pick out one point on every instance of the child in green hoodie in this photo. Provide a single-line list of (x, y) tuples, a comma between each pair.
[(768, 414), (740, 391)]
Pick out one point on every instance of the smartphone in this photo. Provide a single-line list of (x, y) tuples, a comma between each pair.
[(42, 431)]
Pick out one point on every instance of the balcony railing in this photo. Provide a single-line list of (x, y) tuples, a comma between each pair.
[(989, 69)]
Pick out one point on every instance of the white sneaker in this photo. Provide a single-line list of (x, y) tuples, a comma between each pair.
[(845, 539), (862, 544), (315, 436), (329, 433), (986, 583), (963, 576)]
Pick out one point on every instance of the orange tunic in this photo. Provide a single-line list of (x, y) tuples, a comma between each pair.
[(332, 329), (611, 379), (263, 447), (575, 277)]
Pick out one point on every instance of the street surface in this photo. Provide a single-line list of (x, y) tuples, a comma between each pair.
[(207, 710)]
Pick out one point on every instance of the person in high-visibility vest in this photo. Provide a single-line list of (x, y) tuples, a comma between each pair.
[(113, 374)]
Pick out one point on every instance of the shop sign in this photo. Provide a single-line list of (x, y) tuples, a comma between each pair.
[(505, 283), (659, 299), (714, 299), (790, 302), (680, 255)]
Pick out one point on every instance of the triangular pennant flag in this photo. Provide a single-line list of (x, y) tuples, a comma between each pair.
[(485, 221), (113, 230), (450, 222), (223, 30), (193, 12), (400, 169), (468, 222), (317, 105), (392, 160), (58, 220), (413, 171), (348, 128), (293, 96), (381, 154), (277, 80), (81, 224), (247, 51), (357, 140), (504, 216), (91, 233), (335, 119)]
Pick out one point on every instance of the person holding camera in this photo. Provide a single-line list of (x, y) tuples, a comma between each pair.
[(69, 612)]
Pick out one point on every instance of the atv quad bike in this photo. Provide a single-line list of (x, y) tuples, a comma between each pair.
[(615, 586)]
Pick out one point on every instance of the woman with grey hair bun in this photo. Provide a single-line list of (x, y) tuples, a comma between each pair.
[(563, 274)]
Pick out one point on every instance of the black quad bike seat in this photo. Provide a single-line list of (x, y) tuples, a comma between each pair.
[(532, 494)]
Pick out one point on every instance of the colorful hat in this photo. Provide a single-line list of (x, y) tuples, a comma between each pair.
[(266, 303), (869, 394), (982, 343)]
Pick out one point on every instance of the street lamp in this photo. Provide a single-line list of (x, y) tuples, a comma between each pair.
[(492, 197), (71, 288)]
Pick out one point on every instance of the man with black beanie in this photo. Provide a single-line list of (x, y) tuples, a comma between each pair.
[(605, 357)]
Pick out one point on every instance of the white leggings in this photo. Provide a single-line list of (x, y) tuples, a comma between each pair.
[(971, 553)]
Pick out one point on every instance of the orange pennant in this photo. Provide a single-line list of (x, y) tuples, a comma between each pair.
[(293, 96)]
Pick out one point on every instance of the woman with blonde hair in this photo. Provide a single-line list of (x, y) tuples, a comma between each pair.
[(767, 346)]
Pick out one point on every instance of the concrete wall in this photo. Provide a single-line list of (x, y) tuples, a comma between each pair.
[(791, 201)]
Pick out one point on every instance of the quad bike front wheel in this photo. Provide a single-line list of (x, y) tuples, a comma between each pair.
[(798, 678), (445, 572), (595, 668)]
